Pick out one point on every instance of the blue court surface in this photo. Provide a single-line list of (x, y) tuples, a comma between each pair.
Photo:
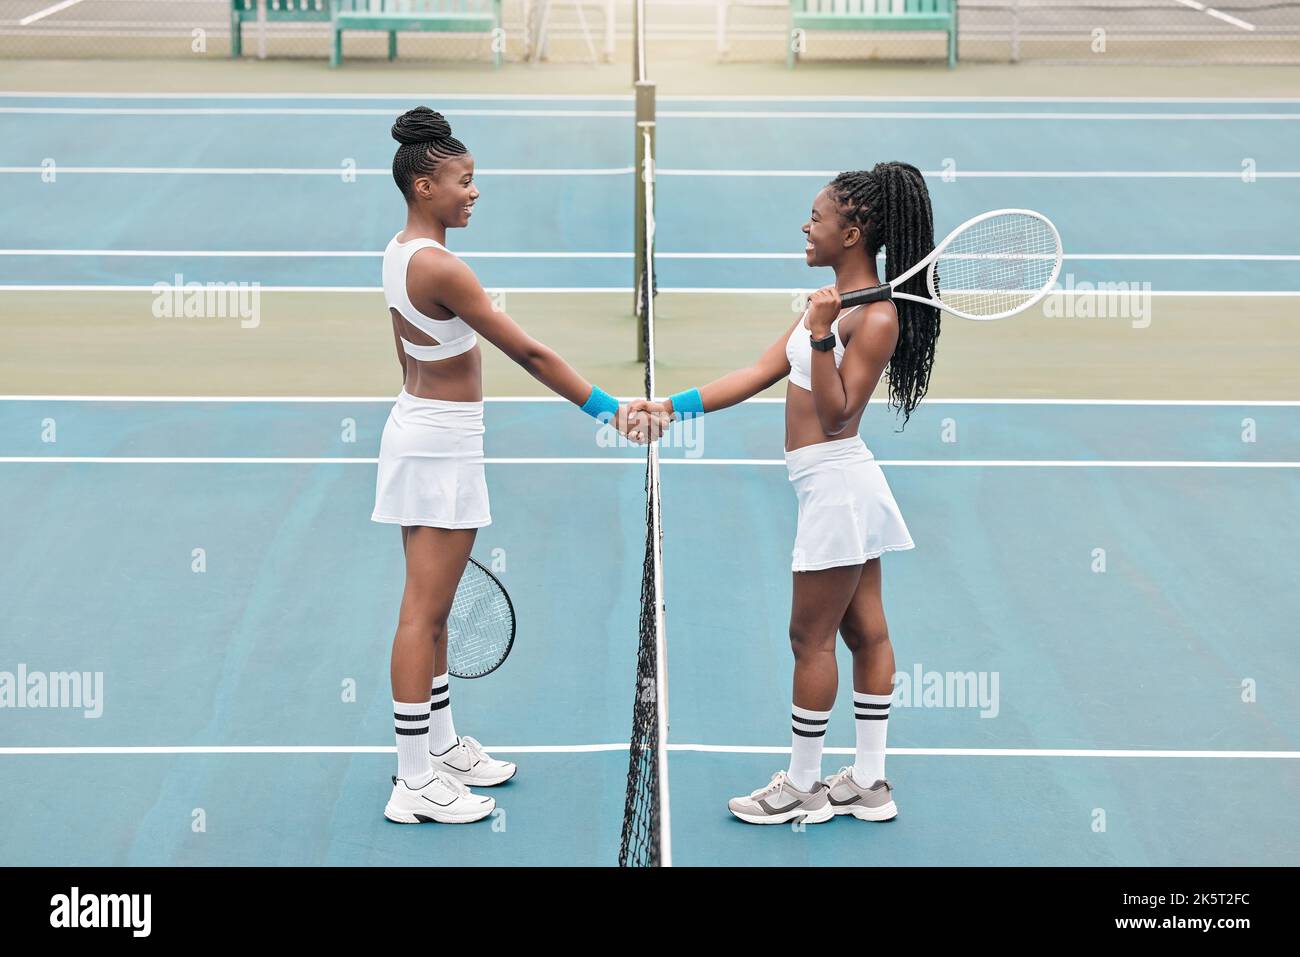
[(1096, 629), (1187, 195), (1136, 710)]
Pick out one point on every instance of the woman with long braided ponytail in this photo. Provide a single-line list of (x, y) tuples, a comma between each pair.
[(430, 479), (847, 515)]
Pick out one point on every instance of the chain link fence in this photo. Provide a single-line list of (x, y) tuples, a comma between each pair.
[(1066, 31), (576, 30)]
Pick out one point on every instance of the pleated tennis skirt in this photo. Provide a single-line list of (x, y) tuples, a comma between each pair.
[(431, 465), (847, 514)]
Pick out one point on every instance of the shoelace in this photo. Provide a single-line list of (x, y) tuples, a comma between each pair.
[(474, 748), (772, 787), (451, 784)]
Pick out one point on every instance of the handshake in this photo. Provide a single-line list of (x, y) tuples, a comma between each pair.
[(642, 420)]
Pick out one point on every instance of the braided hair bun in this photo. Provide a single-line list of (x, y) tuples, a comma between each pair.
[(421, 125), (426, 140)]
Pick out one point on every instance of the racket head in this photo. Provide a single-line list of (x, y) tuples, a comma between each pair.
[(996, 265), (481, 624)]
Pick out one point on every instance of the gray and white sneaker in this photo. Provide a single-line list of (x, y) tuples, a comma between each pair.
[(845, 796), (780, 802)]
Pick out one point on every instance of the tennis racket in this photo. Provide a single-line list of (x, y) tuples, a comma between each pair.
[(993, 266), (481, 626)]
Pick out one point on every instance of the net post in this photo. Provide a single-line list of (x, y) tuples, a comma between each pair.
[(642, 266), (638, 41)]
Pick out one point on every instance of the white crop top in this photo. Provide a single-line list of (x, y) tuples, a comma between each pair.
[(798, 349), (454, 335)]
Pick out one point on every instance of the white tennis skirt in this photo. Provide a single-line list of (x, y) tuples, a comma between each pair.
[(847, 514), (431, 465)]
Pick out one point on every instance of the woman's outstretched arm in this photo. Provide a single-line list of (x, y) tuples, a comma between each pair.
[(735, 387), (460, 292)]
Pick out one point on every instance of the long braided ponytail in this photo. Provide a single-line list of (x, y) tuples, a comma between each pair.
[(891, 205), (426, 140)]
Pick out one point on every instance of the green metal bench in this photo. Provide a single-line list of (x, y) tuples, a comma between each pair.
[(298, 11), (918, 15), (437, 16)]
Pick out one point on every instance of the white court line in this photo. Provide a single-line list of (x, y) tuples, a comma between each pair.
[(868, 115), (1003, 752), (757, 400), (698, 748), (302, 171), (42, 14), (639, 461), (407, 98), (959, 174), (663, 114), (787, 290), (1079, 257), (548, 254), (1226, 18), (942, 175), (302, 253), (301, 111), (622, 97), (674, 290)]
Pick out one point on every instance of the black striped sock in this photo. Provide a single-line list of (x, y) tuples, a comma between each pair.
[(411, 724), (807, 737)]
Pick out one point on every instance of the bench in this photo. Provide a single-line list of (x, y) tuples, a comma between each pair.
[(437, 16), (298, 11), (917, 15)]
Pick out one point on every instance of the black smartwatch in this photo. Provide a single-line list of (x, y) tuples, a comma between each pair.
[(823, 345)]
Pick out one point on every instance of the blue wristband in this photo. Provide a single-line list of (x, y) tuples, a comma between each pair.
[(688, 403), (600, 403)]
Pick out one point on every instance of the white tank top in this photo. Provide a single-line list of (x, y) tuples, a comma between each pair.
[(454, 335), (798, 349)]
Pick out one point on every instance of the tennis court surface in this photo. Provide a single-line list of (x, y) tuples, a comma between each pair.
[(1095, 635)]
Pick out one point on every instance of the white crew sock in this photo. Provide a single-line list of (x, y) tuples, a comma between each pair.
[(411, 721), (872, 713), (808, 736), (442, 732)]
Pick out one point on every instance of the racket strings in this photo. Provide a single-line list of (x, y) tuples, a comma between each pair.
[(997, 265), (480, 625)]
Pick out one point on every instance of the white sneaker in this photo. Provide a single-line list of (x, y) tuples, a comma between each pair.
[(442, 800), (468, 763)]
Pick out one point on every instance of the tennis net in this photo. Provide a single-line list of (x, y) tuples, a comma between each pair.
[(646, 833)]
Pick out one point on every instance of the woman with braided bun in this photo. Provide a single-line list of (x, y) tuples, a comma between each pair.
[(847, 515), (430, 478)]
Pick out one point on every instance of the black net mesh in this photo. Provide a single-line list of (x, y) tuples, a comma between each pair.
[(642, 843)]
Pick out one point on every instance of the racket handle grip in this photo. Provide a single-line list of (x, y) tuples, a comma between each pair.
[(860, 296)]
